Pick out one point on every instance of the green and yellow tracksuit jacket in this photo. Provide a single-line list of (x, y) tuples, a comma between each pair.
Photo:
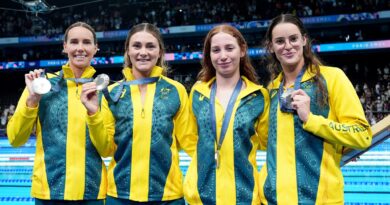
[(235, 181), (67, 166), (303, 159), (144, 139)]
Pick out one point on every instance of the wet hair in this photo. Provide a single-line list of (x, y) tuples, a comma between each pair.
[(312, 61), (81, 24), (208, 71), (154, 31)]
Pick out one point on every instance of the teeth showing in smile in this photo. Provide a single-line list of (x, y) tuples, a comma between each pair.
[(79, 56)]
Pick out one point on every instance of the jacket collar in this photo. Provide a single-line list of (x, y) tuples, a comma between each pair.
[(127, 72), (68, 73), (276, 83), (250, 87)]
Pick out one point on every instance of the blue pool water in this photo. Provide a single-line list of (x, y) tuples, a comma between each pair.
[(367, 181)]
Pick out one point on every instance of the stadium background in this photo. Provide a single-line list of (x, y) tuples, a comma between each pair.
[(353, 35)]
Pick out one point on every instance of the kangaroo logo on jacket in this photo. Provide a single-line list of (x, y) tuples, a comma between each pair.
[(164, 93)]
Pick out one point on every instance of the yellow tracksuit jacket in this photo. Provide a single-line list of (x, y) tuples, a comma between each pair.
[(143, 139), (67, 166), (235, 181), (303, 159)]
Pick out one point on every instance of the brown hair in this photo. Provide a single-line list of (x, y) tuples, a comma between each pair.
[(208, 71), (312, 61), (150, 28), (84, 25)]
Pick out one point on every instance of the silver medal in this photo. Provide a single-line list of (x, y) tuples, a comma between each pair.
[(101, 81), (41, 85), (287, 99)]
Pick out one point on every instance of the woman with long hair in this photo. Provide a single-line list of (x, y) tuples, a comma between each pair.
[(67, 167), (144, 127), (314, 114), (229, 111)]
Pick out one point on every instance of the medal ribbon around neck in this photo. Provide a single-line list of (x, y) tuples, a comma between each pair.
[(104, 89), (140, 81), (45, 85), (226, 118), (297, 86)]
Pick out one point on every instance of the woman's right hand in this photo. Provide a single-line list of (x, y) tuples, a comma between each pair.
[(89, 98), (33, 98)]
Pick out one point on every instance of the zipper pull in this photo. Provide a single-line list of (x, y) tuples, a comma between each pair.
[(217, 158), (77, 90), (143, 113)]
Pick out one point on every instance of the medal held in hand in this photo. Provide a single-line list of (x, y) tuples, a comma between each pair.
[(41, 85), (101, 81), (286, 100)]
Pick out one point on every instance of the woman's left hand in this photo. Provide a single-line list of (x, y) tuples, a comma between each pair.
[(301, 103)]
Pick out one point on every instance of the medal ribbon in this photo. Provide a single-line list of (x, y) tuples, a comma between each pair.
[(227, 116), (297, 86), (140, 81), (56, 87)]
